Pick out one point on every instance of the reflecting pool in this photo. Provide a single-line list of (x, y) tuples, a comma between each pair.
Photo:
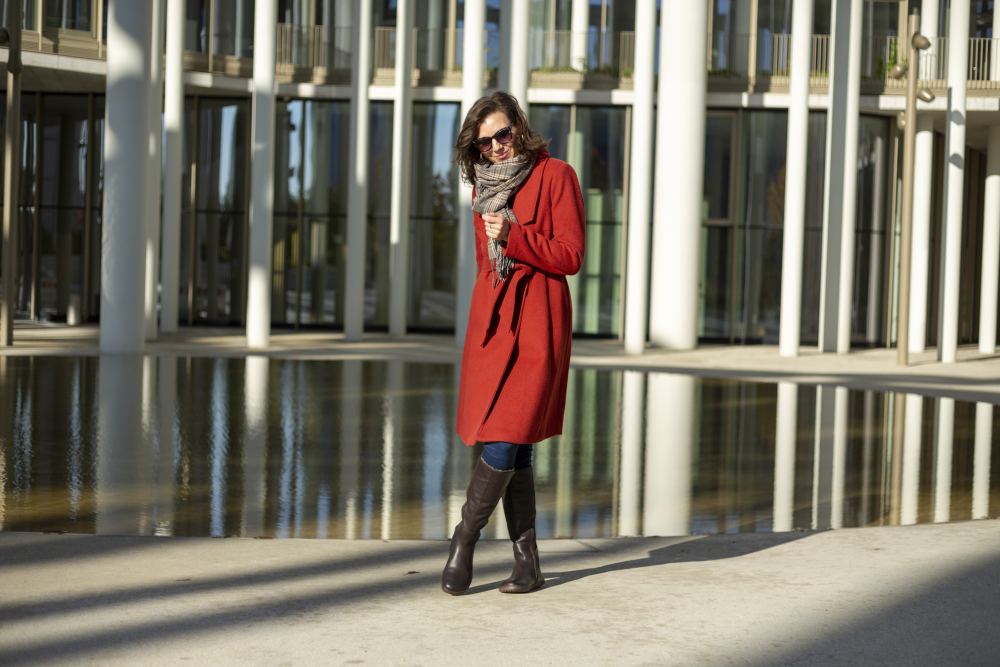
[(262, 447)]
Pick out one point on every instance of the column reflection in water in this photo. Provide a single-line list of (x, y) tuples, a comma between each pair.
[(913, 426), (630, 485), (351, 411), (75, 453), (255, 394), (943, 454), (218, 439), (784, 457), (289, 437), (839, 457), (166, 446), (669, 444), (565, 447), (867, 456), (981, 461), (392, 420), (459, 469), (823, 457), (120, 474), (6, 428), (436, 437)]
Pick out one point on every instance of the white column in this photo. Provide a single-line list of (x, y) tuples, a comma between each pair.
[(784, 457), (503, 74), (173, 121), (640, 181), (357, 195), (153, 174), (991, 246), (670, 428), (923, 175), (943, 456), (402, 140), (126, 142), (473, 64), (795, 180), (579, 20), (995, 46), (912, 428), (839, 206), (261, 174), (923, 187), (954, 180), (630, 471), (680, 160), (981, 461), (518, 65)]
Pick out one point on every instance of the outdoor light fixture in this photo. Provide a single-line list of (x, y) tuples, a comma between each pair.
[(918, 43)]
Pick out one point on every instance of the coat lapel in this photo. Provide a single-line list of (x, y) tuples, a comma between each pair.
[(526, 199)]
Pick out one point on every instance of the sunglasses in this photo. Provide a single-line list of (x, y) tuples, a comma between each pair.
[(503, 137)]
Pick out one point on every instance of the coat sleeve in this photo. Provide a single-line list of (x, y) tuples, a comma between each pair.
[(563, 253)]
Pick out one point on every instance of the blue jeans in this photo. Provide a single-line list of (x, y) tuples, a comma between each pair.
[(507, 455)]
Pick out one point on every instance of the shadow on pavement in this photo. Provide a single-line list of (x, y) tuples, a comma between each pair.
[(952, 622)]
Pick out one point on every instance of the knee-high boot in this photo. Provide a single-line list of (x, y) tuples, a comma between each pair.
[(485, 490), (519, 508)]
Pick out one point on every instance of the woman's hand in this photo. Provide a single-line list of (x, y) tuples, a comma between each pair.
[(496, 225)]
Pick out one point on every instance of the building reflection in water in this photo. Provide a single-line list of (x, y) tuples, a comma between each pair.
[(365, 449)]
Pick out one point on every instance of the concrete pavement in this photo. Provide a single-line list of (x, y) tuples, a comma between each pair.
[(917, 595)]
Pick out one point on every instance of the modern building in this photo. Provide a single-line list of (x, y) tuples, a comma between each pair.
[(298, 170)]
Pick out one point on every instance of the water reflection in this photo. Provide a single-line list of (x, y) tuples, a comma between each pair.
[(364, 449)]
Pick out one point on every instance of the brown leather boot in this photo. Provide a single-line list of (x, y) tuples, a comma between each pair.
[(519, 508), (485, 489)]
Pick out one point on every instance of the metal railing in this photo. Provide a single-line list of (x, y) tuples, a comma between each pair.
[(313, 46), (601, 51), (434, 49), (774, 56)]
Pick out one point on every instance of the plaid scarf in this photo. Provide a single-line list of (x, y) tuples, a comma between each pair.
[(495, 185)]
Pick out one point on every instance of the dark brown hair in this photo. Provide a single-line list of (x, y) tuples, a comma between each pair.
[(527, 142)]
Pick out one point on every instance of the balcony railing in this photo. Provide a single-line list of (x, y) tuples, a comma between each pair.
[(775, 58), (607, 51), (434, 49), (313, 46)]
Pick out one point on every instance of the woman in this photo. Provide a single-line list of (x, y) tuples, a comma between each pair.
[(529, 226)]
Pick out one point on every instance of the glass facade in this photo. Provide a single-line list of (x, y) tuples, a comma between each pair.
[(593, 140), (743, 231), (59, 207), (379, 200), (214, 224), (433, 217), (69, 14), (310, 209), (232, 28)]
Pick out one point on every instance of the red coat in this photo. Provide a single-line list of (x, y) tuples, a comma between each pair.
[(516, 358)]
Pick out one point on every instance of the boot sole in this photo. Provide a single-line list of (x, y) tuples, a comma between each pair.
[(530, 590)]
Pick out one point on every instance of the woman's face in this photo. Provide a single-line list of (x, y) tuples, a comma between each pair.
[(491, 126)]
